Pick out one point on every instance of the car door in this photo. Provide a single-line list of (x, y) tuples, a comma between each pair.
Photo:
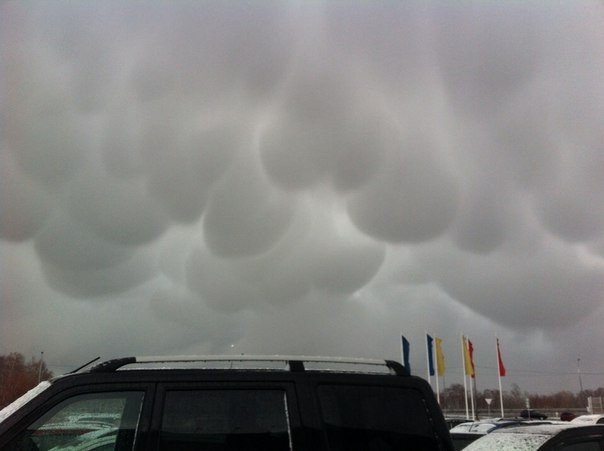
[(94, 417)]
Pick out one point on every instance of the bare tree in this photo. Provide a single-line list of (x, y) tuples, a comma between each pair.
[(18, 376)]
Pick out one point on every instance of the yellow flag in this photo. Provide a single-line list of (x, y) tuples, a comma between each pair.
[(440, 357)]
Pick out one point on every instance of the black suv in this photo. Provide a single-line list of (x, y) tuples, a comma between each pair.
[(228, 403)]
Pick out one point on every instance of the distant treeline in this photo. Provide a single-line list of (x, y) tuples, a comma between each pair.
[(453, 398), (18, 376)]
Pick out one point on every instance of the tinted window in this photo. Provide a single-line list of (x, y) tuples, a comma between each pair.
[(217, 420), (593, 445), (375, 418), (460, 441), (98, 421)]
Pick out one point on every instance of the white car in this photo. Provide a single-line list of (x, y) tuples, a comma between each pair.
[(545, 437), (588, 419)]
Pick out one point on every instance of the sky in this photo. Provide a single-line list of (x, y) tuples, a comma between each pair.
[(305, 178)]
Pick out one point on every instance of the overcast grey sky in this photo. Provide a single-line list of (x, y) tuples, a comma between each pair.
[(305, 178)]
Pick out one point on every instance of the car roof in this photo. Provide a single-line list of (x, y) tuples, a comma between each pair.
[(249, 362), (492, 424), (587, 419), (238, 367)]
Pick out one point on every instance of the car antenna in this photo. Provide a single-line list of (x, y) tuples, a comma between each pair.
[(85, 365)]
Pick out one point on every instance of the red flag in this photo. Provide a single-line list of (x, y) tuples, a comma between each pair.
[(501, 367), (471, 352)]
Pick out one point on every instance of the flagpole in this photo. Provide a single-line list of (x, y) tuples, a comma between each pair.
[(499, 366), (472, 397), (437, 357), (465, 383), (468, 351), (472, 382), (500, 395), (437, 388), (427, 358)]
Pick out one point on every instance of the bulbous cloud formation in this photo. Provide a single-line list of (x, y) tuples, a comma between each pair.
[(253, 156)]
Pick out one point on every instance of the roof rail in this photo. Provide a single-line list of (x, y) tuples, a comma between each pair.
[(291, 363), (112, 365)]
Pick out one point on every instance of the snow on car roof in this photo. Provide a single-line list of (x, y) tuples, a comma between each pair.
[(506, 441), (538, 429), (521, 437)]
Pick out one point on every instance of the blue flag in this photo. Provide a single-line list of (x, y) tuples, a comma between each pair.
[(406, 354), (429, 345)]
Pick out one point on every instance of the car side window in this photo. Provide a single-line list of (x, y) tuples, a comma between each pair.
[(220, 420), (93, 421), (375, 418), (585, 445)]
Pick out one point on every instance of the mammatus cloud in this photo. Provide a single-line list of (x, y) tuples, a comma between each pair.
[(231, 169)]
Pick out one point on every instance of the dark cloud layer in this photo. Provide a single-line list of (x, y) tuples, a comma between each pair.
[(305, 178)]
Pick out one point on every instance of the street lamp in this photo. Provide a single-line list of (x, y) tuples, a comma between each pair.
[(40, 366), (580, 380)]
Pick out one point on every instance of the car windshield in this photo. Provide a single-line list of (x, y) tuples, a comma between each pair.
[(508, 442), (589, 419), (21, 401)]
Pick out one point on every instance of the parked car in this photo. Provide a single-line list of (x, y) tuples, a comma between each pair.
[(490, 424), (558, 437), (229, 403), (589, 419), (453, 421), (530, 413), (465, 433), (463, 439), (462, 427), (567, 416)]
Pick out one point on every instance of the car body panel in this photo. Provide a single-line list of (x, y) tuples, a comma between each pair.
[(589, 419)]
